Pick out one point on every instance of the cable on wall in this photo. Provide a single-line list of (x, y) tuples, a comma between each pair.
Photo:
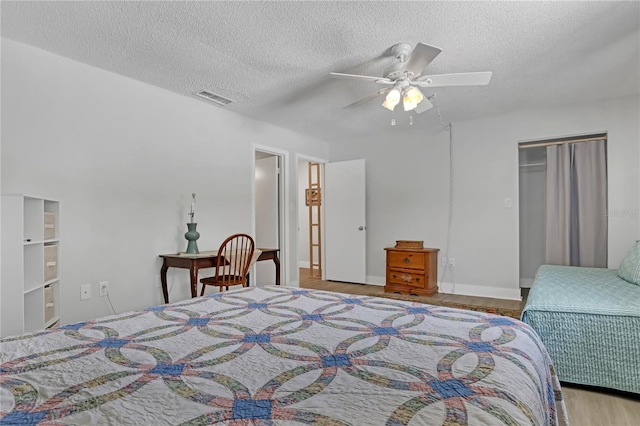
[(434, 99), (448, 127), (447, 268), (110, 304)]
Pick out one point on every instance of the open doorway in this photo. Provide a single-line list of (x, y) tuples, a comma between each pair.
[(310, 174), (269, 217), (340, 221)]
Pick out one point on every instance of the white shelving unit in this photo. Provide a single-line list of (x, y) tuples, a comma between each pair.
[(30, 264)]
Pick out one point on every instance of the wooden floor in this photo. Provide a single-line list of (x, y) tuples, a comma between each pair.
[(585, 406)]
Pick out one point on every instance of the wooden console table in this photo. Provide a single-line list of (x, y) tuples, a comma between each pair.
[(271, 254), (196, 262)]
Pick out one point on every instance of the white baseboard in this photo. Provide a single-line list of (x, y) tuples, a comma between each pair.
[(292, 284), (375, 280), (480, 291), (304, 264)]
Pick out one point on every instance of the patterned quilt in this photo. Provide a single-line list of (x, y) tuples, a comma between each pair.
[(282, 356)]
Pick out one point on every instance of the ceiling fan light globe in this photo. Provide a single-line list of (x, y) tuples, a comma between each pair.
[(393, 97), (408, 104), (414, 94), (388, 106)]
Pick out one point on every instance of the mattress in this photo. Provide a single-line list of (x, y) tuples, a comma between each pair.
[(588, 318), (277, 355)]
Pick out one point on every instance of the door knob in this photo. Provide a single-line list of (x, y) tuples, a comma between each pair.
[(361, 228)]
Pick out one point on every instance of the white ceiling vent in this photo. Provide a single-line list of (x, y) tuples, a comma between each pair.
[(211, 97)]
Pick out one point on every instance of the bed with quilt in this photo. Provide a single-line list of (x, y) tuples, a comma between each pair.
[(277, 355), (589, 320)]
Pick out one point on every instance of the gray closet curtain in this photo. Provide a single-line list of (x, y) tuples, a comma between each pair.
[(558, 242), (576, 232)]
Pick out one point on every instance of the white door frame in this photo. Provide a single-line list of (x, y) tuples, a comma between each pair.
[(283, 195), (322, 162)]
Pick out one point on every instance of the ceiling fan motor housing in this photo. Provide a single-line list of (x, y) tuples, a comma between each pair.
[(401, 52)]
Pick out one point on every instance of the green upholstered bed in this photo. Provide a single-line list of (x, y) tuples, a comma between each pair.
[(589, 320)]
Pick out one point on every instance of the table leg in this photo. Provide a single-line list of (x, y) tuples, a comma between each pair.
[(163, 279), (276, 260), (194, 279)]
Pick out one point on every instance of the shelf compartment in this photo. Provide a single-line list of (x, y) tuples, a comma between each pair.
[(50, 262), (33, 310), (51, 222), (49, 304), (33, 266), (33, 223)]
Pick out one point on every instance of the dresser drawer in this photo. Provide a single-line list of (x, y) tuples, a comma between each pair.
[(412, 279), (406, 260)]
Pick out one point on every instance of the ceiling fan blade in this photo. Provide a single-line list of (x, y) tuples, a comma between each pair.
[(423, 106), (421, 56), (459, 79), (367, 99), (362, 77)]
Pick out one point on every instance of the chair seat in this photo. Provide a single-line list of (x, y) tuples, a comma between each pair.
[(232, 263), (224, 280)]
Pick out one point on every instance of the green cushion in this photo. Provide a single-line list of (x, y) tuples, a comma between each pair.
[(629, 269)]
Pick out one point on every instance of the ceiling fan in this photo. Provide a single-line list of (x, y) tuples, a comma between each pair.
[(405, 78)]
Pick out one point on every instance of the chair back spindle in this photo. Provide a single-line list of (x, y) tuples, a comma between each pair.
[(233, 262)]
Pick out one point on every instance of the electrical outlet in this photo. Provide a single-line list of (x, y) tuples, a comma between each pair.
[(452, 261), (104, 288), (85, 292), (443, 261)]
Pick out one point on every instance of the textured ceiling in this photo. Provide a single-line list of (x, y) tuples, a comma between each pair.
[(273, 58)]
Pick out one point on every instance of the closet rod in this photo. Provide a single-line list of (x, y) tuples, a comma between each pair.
[(536, 145)]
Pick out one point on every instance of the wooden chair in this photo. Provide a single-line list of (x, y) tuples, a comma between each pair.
[(232, 265)]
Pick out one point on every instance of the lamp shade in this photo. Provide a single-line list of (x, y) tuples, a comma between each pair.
[(412, 97), (392, 99)]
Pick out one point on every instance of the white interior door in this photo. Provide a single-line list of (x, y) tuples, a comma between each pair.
[(345, 221)]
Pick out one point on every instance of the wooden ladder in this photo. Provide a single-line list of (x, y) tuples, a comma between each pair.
[(314, 201)]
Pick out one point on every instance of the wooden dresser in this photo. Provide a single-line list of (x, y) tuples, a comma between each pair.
[(412, 270)]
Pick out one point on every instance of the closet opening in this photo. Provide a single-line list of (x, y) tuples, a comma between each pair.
[(562, 203)]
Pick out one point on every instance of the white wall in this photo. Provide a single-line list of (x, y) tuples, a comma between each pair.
[(407, 190), (266, 193), (123, 158), (407, 193)]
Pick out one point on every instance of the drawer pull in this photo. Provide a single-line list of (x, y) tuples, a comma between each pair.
[(406, 277), (406, 260), (49, 305), (50, 264)]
